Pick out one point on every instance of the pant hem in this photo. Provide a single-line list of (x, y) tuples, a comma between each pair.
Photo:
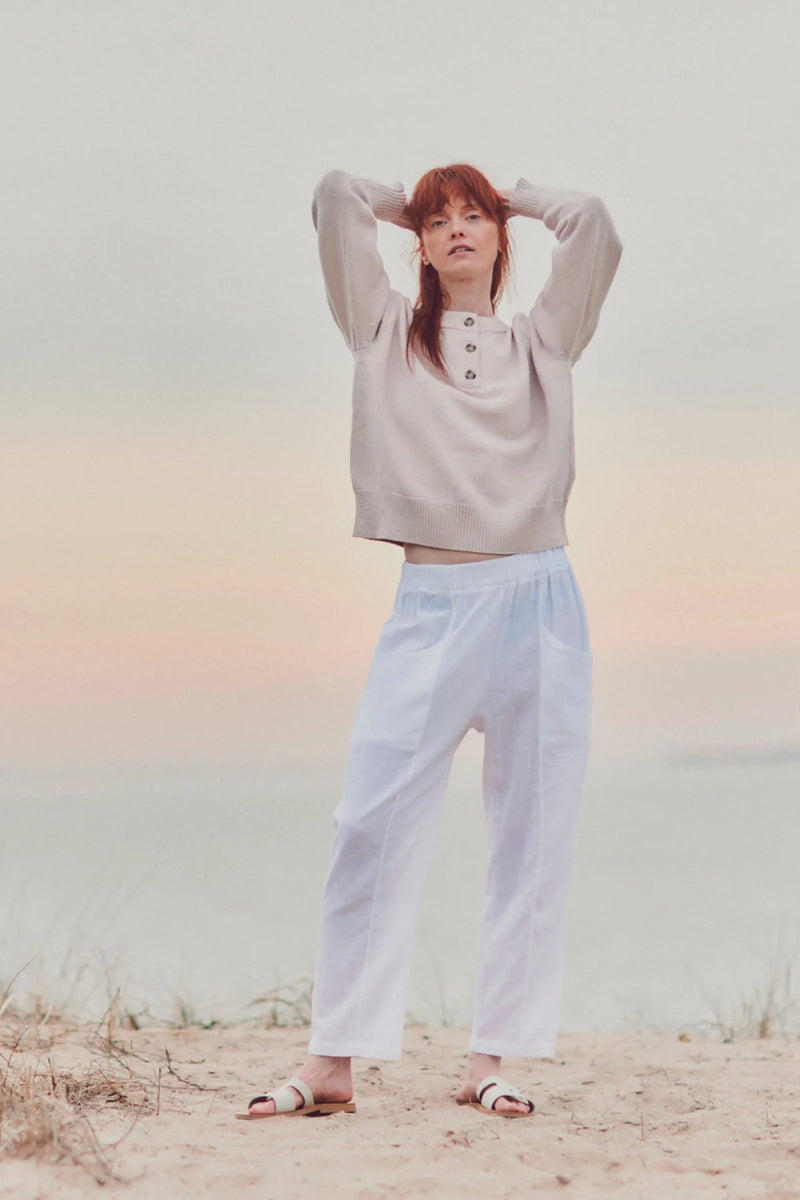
[(513, 1049), (354, 1050)]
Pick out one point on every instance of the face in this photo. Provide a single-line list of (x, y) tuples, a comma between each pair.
[(461, 242)]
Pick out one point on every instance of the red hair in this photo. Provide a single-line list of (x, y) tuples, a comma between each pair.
[(435, 189)]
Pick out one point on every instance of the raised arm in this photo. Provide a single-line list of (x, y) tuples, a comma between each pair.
[(585, 261), (345, 210)]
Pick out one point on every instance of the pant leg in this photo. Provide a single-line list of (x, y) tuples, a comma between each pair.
[(417, 706), (536, 751)]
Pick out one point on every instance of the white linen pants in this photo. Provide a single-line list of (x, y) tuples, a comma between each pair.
[(500, 645)]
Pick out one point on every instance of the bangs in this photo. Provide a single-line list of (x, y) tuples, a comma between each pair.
[(442, 193), (445, 185)]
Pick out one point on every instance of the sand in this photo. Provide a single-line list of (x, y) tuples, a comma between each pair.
[(622, 1115)]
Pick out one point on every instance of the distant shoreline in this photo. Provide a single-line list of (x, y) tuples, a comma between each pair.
[(788, 752)]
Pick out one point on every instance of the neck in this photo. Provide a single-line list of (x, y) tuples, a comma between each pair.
[(469, 296)]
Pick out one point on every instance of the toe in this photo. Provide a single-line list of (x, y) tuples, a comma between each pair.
[(511, 1105), (268, 1106)]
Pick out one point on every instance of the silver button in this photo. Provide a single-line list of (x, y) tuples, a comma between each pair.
[(469, 374), (471, 346), (469, 320)]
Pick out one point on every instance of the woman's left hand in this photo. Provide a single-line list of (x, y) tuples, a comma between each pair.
[(404, 219)]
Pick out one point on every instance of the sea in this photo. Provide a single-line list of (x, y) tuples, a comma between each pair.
[(182, 893)]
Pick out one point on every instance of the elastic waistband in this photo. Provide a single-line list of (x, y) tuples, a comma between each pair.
[(456, 577)]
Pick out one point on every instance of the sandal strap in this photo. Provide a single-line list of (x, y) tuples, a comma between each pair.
[(285, 1099), (491, 1088)]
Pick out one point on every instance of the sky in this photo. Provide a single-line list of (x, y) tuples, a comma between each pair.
[(178, 578)]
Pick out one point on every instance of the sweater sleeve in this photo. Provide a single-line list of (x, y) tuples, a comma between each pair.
[(584, 263), (345, 210)]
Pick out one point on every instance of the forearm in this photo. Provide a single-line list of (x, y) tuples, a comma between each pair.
[(584, 263), (345, 210)]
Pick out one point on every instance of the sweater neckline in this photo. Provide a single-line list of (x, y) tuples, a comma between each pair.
[(455, 319)]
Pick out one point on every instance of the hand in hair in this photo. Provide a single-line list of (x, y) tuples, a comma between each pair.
[(506, 194), (404, 219)]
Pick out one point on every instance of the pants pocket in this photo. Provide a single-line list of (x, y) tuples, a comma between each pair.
[(403, 671), (566, 680)]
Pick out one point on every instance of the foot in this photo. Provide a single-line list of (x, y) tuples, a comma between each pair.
[(328, 1078), (478, 1067)]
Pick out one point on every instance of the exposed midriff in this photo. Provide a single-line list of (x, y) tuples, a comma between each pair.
[(435, 554)]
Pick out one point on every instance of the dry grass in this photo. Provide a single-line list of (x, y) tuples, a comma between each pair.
[(53, 1083), (765, 1012), (286, 1006), (44, 1112), (45, 1109)]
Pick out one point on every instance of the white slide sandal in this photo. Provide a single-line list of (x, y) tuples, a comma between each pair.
[(285, 1101), (489, 1091)]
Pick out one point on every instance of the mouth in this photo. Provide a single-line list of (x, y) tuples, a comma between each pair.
[(461, 250)]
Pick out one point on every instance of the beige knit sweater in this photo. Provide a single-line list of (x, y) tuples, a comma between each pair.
[(481, 459)]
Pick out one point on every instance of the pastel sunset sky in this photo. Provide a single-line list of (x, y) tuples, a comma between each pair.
[(179, 579)]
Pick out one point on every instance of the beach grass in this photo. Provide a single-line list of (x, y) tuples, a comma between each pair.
[(45, 1109), (151, 1112), (49, 1110)]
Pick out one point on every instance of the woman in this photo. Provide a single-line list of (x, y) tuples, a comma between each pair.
[(462, 452)]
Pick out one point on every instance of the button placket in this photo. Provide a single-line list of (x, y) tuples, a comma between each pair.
[(470, 374), (464, 353)]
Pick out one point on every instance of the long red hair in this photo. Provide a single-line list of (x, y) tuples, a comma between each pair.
[(435, 189)]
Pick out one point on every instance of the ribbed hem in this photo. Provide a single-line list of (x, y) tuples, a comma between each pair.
[(391, 517), (513, 1049)]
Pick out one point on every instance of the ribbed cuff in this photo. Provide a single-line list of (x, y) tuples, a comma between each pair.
[(387, 202), (527, 199)]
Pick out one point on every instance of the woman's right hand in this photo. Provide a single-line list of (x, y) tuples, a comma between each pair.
[(506, 193)]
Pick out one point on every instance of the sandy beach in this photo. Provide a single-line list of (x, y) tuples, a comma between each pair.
[(150, 1113)]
